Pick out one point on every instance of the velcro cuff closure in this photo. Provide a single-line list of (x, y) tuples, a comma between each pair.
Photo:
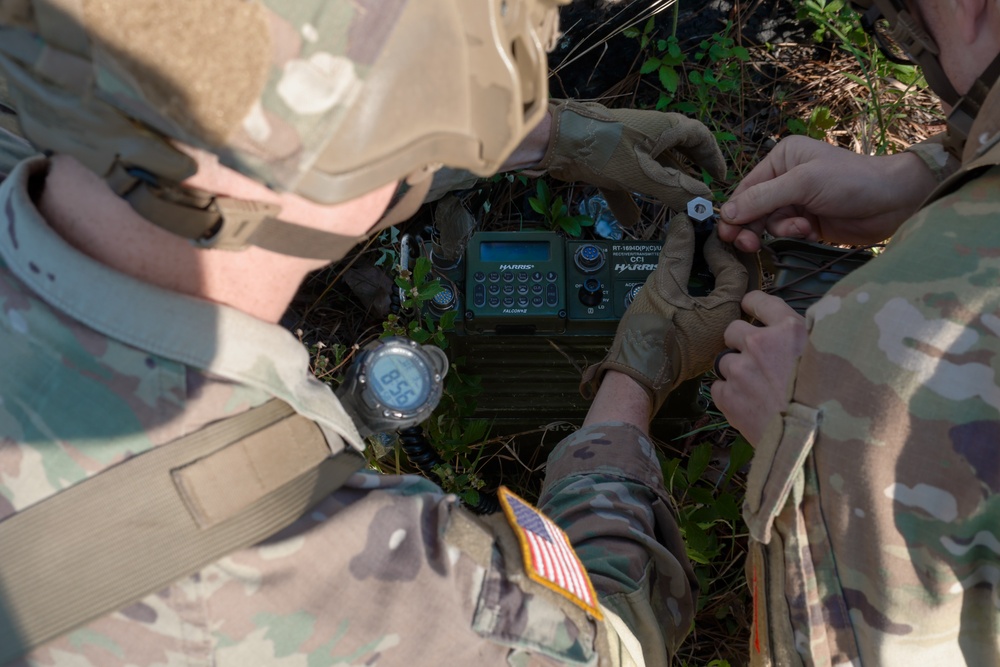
[(777, 466), (220, 485)]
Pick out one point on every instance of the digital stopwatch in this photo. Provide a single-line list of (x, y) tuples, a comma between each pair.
[(394, 383)]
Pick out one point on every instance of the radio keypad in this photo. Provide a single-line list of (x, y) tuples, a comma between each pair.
[(542, 289), (552, 295)]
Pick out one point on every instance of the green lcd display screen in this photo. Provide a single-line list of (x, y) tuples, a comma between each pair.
[(514, 251)]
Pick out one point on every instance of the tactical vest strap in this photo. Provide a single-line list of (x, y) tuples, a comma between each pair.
[(132, 530)]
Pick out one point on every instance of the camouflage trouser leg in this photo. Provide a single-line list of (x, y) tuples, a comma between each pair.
[(604, 487)]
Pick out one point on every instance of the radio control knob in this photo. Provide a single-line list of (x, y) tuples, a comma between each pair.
[(589, 258), (591, 293)]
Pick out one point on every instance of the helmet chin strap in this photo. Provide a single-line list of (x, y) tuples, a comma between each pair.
[(224, 223), (966, 108), (908, 32)]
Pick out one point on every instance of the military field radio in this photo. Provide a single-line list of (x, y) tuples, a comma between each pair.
[(533, 309), (537, 282)]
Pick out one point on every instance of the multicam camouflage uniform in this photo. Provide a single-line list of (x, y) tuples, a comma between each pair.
[(389, 570), (875, 510)]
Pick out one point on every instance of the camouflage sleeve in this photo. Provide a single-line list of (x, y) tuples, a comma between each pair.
[(873, 510), (388, 570), (604, 487)]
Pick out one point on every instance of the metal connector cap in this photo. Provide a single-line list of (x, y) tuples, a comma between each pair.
[(700, 209)]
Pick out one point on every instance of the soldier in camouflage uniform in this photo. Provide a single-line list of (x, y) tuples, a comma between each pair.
[(118, 336), (873, 499)]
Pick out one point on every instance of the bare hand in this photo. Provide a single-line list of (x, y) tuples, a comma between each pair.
[(808, 189), (757, 379)]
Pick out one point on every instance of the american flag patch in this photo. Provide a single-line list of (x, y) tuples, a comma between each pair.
[(548, 555)]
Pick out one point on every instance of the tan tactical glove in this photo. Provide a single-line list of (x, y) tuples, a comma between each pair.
[(667, 336), (622, 151)]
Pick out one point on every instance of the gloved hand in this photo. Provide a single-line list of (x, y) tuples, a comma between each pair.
[(622, 151), (667, 336)]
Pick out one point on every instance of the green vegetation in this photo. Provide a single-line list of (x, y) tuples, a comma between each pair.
[(555, 213)]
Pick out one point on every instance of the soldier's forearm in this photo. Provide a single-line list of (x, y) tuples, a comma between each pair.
[(604, 488)]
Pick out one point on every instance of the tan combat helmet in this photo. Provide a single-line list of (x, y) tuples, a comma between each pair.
[(328, 99)]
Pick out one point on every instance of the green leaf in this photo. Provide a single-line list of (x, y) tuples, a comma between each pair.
[(670, 469), (663, 101), (649, 66), (674, 48), (557, 207), (421, 268), (856, 79), (727, 507), (542, 189), (669, 78), (740, 454), (570, 226), (699, 544), (700, 494), (721, 135), (536, 205), (429, 290), (699, 460), (822, 118), (740, 53), (796, 126), (447, 321)]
